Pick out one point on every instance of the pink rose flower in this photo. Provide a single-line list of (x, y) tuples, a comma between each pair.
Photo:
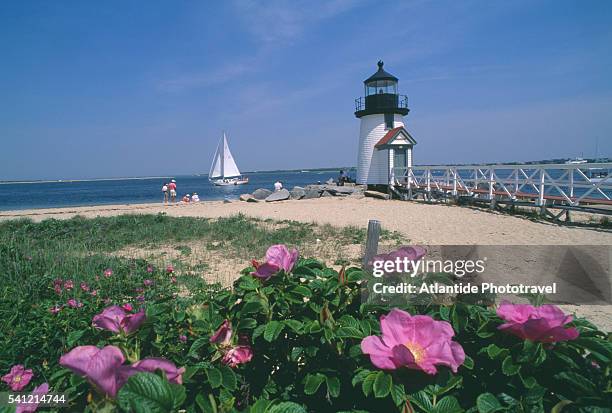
[(148, 283), (545, 324), (223, 335), (149, 269), (55, 309), (237, 355), (117, 320), (84, 287), (416, 342), (183, 338), (58, 289), (151, 364), (99, 366), (411, 253), (74, 303), (108, 272), (94, 293), (169, 269), (32, 407), (127, 307), (278, 258), (18, 377)]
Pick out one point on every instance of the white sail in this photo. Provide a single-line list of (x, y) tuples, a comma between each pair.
[(215, 168), (223, 165), (229, 165)]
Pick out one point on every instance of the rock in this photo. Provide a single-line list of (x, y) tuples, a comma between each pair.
[(376, 194), (278, 195), (339, 190), (253, 199), (246, 197), (326, 194), (312, 193), (261, 193), (227, 201), (297, 192)]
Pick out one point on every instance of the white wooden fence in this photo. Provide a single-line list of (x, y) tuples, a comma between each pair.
[(568, 184)]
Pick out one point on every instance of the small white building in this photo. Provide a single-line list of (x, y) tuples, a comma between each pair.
[(385, 146)]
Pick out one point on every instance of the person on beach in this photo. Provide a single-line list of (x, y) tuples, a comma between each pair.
[(278, 185), (172, 188), (165, 192), (186, 199), (195, 197)]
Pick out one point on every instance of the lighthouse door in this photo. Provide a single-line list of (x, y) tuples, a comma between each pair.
[(400, 163)]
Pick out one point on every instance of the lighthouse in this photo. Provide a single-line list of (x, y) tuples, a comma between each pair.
[(385, 146)]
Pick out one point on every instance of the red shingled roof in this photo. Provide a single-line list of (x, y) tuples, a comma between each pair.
[(389, 136)]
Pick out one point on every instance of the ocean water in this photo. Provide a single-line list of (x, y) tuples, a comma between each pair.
[(15, 196)]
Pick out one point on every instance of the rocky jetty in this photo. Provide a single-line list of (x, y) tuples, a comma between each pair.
[(307, 192)]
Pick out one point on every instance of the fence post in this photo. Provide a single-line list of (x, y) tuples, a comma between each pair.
[(541, 201), (371, 247)]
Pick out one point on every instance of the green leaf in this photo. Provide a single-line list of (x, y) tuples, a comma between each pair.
[(359, 377), (294, 325), (468, 363), (312, 383), (214, 377), (252, 307), (247, 324), (349, 332), (448, 404), (287, 407), (509, 368), (73, 337), (228, 378), (273, 329), (421, 399), (398, 394), (487, 403), (368, 383), (577, 381), (302, 290), (333, 386), (382, 384), (199, 343), (148, 392), (260, 406), (557, 408)]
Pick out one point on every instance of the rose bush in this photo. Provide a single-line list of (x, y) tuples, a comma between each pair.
[(295, 336)]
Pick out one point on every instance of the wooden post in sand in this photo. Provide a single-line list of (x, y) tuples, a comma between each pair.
[(371, 247)]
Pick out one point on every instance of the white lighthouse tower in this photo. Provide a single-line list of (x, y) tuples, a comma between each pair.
[(385, 146)]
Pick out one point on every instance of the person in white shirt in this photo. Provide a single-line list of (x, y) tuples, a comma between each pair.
[(278, 186), (165, 191), (195, 197)]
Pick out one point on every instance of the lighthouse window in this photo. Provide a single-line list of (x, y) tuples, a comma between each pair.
[(388, 120)]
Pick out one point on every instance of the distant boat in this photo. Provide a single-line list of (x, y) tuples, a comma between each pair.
[(224, 171), (576, 161)]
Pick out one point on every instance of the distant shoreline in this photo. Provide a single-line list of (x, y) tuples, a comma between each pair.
[(48, 181)]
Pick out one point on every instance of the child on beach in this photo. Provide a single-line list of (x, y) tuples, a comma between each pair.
[(278, 186), (172, 188), (195, 197), (165, 192), (186, 199)]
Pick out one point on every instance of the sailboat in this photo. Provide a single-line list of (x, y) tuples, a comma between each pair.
[(224, 171)]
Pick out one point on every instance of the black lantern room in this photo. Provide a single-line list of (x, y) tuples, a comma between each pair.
[(380, 95)]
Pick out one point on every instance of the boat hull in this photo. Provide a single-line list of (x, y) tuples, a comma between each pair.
[(230, 181)]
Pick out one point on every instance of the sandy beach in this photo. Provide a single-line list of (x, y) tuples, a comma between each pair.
[(418, 222)]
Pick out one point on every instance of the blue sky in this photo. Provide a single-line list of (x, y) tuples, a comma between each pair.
[(133, 88)]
